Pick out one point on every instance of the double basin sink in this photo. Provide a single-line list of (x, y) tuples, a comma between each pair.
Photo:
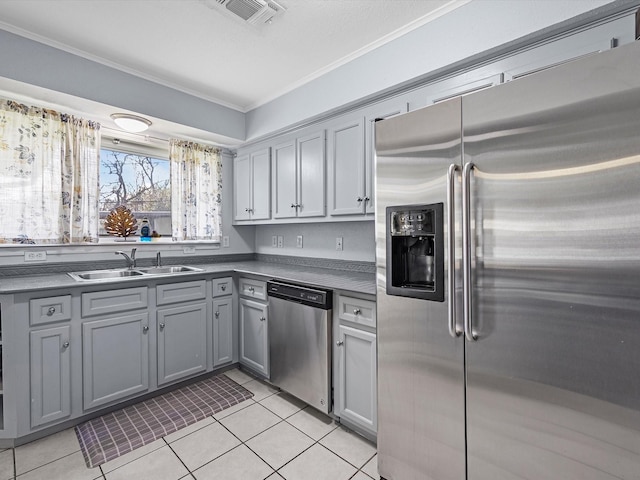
[(134, 272)]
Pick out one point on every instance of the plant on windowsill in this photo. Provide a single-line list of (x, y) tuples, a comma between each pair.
[(120, 222)]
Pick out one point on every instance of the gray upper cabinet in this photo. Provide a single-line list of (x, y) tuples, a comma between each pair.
[(182, 342), (378, 112), (298, 182), (346, 167), (251, 186), (50, 375), (115, 358)]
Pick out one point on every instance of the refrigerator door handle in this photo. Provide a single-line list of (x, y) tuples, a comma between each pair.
[(466, 253), (451, 249)]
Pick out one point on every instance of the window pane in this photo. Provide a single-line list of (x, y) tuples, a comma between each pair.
[(141, 183)]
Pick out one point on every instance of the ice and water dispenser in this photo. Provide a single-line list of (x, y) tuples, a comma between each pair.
[(415, 251)]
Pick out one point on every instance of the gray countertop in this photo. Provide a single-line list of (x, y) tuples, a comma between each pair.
[(358, 282)]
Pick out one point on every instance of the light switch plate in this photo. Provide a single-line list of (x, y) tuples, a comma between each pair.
[(280, 241), (225, 241), (299, 241), (339, 243), (274, 241), (35, 256)]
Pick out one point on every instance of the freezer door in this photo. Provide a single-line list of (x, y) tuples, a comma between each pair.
[(552, 380), (420, 365)]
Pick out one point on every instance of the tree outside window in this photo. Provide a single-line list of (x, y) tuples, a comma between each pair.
[(140, 182)]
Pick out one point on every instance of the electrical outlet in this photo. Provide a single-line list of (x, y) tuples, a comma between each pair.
[(280, 241), (339, 243), (274, 241), (225, 241), (299, 241), (35, 256), (189, 250)]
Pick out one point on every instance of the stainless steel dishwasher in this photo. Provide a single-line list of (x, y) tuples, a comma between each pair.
[(300, 341)]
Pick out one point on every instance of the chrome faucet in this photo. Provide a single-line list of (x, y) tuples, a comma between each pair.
[(158, 260), (131, 260)]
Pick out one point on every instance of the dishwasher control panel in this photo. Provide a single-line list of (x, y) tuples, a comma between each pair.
[(313, 296)]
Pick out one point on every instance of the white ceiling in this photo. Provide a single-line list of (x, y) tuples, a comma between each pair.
[(196, 47)]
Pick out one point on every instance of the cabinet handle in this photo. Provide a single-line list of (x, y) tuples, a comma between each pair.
[(340, 343), (161, 326), (360, 199), (367, 199), (251, 289), (293, 205), (357, 311), (51, 311), (262, 319), (223, 287), (217, 314), (65, 345), (246, 209), (145, 328)]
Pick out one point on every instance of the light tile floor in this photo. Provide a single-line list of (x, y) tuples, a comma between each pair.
[(270, 436)]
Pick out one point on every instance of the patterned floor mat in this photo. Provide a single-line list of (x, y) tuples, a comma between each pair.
[(114, 434)]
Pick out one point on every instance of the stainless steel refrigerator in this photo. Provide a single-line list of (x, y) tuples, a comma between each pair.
[(508, 279)]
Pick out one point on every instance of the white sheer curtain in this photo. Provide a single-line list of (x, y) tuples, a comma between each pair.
[(196, 191), (48, 176)]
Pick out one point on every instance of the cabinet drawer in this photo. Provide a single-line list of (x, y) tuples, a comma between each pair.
[(181, 292), (50, 309), (222, 286), (357, 310), (253, 288), (111, 301)]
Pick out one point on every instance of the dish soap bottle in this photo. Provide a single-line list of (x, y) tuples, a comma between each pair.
[(145, 231)]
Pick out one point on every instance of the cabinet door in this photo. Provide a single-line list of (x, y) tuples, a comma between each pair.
[(346, 168), (311, 175), (357, 387), (115, 358), (241, 187), (50, 375), (254, 339), (182, 342), (370, 151), (261, 185), (222, 331), (285, 195)]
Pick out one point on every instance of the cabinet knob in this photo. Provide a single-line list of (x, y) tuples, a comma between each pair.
[(223, 287), (357, 311), (65, 345), (340, 343), (360, 199), (262, 319), (217, 314), (145, 328), (293, 205), (51, 311), (367, 199), (161, 326), (251, 289), (246, 209)]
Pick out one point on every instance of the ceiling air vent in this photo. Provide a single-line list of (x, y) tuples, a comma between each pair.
[(255, 12)]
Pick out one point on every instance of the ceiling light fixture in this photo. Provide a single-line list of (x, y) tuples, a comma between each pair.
[(131, 123)]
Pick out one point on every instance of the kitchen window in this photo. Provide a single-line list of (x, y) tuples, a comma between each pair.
[(140, 182)]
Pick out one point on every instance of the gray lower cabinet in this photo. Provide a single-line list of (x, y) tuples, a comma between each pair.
[(115, 358), (254, 338), (182, 342), (222, 330), (357, 387), (50, 374)]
